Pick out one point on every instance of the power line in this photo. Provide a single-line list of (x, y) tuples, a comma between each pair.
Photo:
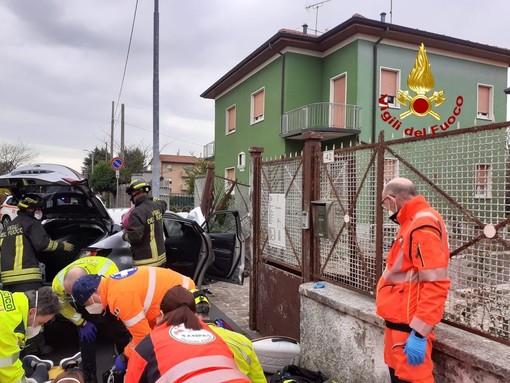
[(126, 62)]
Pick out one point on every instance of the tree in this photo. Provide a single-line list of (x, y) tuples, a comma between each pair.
[(15, 154), (199, 169), (103, 178), (95, 156)]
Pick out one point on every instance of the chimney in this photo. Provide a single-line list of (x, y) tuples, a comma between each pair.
[(305, 29), (383, 17)]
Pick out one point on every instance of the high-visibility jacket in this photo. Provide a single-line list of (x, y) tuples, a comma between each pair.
[(92, 265), (180, 355), (244, 355), (145, 232), (22, 239), (13, 323), (134, 296), (414, 286)]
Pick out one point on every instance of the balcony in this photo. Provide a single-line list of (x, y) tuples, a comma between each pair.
[(209, 150), (331, 120)]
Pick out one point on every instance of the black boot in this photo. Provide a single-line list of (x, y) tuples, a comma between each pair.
[(90, 376)]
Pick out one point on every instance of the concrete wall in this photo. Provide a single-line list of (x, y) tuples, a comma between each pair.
[(342, 337)]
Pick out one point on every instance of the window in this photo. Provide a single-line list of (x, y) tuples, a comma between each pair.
[(390, 169), (231, 120), (241, 161), (483, 181), (230, 175), (257, 106), (484, 105), (390, 83), (169, 167)]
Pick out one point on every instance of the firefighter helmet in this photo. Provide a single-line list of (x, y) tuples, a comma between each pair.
[(30, 201), (138, 185)]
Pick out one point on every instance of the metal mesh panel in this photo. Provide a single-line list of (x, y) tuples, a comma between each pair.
[(283, 177), (347, 254), (471, 176)]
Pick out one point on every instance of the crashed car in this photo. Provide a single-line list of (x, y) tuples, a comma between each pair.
[(73, 213)]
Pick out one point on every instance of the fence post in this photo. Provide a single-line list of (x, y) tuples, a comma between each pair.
[(311, 191), (207, 194), (256, 185), (378, 209)]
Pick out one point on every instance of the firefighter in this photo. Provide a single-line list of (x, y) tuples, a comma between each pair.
[(86, 322), (132, 295), (144, 230), (22, 241), (21, 316), (412, 291), (244, 355), (182, 347)]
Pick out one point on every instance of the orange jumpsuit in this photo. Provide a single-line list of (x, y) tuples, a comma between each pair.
[(413, 288), (134, 296), (180, 355)]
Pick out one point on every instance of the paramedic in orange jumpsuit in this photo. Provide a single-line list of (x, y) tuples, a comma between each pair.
[(412, 291), (132, 295), (182, 348)]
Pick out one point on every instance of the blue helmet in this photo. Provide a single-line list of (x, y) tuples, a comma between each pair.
[(84, 287)]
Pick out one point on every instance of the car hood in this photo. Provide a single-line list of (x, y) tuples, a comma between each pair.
[(65, 191)]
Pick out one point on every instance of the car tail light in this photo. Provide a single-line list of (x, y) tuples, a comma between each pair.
[(93, 252)]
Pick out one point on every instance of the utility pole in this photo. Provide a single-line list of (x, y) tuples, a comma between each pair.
[(111, 130), (155, 106), (122, 132)]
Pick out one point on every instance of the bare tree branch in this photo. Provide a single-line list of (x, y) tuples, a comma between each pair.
[(15, 154)]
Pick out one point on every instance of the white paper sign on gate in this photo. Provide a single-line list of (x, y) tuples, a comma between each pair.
[(276, 220)]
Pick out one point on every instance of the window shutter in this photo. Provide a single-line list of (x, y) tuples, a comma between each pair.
[(232, 119), (483, 99), (258, 105), (389, 82)]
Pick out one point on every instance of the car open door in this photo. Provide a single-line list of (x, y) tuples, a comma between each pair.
[(224, 229)]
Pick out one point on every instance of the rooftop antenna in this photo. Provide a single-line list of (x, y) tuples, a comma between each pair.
[(316, 6)]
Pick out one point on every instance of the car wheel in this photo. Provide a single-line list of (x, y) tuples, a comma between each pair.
[(6, 220)]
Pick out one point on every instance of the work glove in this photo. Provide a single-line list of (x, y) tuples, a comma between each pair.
[(415, 349), (88, 332), (68, 246), (121, 363)]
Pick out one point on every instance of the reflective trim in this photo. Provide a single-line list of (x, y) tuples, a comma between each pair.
[(12, 276), (52, 246), (421, 214), (149, 296), (152, 241), (420, 326), (433, 275), (160, 260), (185, 282), (9, 360), (104, 268), (224, 375), (199, 363), (18, 258)]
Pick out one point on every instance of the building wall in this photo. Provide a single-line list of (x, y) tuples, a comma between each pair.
[(178, 175)]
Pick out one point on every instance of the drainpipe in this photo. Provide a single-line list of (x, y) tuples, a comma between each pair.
[(282, 83)]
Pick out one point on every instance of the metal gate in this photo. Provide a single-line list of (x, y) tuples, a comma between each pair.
[(464, 174)]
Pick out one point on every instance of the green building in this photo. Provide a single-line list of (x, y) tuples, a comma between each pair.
[(360, 78)]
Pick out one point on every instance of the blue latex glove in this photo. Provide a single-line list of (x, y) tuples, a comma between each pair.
[(121, 363), (88, 332), (415, 349)]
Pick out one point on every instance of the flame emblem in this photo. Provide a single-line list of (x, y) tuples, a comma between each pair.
[(421, 81)]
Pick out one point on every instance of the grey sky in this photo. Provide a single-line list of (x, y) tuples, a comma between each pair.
[(62, 61)]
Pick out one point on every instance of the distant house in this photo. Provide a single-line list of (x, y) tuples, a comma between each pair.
[(173, 171), (361, 77)]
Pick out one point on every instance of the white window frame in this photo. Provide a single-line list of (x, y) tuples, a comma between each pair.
[(241, 161), (227, 120), (256, 119), (486, 192), (394, 104), (490, 116)]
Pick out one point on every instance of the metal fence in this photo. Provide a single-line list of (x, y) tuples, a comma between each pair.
[(464, 174)]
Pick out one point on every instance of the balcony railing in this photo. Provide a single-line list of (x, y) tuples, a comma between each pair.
[(321, 115), (209, 150)]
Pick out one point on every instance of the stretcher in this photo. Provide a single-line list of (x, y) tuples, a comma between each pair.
[(274, 353)]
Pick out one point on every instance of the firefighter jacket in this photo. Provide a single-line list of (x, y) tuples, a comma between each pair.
[(244, 355), (145, 232), (22, 240), (177, 354), (413, 288), (134, 296), (13, 318), (92, 265)]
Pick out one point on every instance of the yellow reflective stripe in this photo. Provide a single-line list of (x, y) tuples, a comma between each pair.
[(18, 258), (30, 274), (160, 260), (52, 246), (104, 268), (9, 360), (199, 363), (152, 241)]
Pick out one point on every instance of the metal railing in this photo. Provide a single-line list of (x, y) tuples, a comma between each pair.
[(321, 115)]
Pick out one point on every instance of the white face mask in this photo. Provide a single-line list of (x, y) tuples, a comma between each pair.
[(38, 215), (34, 330), (94, 308)]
